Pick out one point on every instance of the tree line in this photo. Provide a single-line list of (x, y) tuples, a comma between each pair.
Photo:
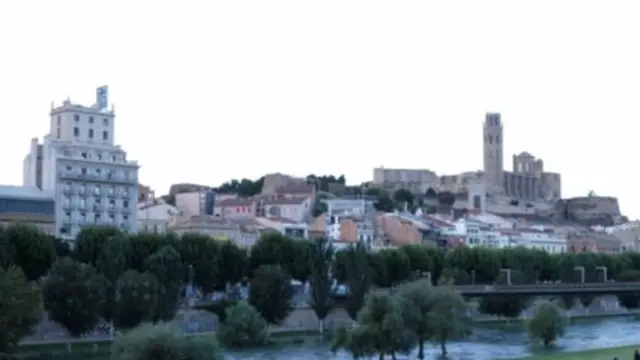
[(148, 272)]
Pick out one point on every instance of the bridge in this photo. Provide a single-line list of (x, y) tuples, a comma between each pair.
[(550, 289)]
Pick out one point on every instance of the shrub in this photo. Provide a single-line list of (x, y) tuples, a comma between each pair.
[(244, 327), (547, 323), (163, 342)]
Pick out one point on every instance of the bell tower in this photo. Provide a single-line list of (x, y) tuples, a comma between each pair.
[(493, 154)]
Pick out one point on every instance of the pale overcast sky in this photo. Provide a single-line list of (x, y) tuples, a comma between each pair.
[(207, 91)]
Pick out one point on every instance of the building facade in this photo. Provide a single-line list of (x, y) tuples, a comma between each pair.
[(155, 216), (194, 203), (91, 179), (28, 205)]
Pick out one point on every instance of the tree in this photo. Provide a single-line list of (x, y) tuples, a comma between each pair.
[(164, 342), (320, 258), (509, 306), (20, 308), (136, 300), (73, 296), (447, 318), (403, 197), (271, 292), (547, 323), (203, 254), (243, 327), (416, 305), (390, 267), (233, 263), (358, 278), (111, 264), (274, 248), (166, 265), (629, 300), (380, 321), (33, 251), (91, 242)]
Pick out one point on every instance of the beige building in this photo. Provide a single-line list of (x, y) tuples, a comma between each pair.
[(242, 233), (155, 216), (415, 180)]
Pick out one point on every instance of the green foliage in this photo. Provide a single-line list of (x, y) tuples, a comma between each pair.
[(233, 263), (91, 243), (629, 300), (29, 248), (243, 187), (112, 263), (382, 321), (509, 306), (244, 327), (137, 296), (163, 342), (358, 276), (416, 304), (20, 308), (547, 323), (275, 249), (203, 254), (320, 281), (447, 319), (166, 265), (73, 296), (217, 307), (271, 292)]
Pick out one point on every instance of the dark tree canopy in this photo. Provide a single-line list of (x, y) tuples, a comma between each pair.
[(74, 295), (271, 292)]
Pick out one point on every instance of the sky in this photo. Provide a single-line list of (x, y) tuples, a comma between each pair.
[(208, 91)]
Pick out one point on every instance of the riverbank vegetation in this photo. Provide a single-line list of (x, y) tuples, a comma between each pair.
[(151, 275)]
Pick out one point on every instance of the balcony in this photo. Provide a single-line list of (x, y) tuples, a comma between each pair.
[(126, 210), (111, 194), (111, 209), (67, 206), (97, 207), (99, 178), (67, 190)]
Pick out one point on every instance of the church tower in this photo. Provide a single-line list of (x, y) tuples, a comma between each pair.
[(493, 155)]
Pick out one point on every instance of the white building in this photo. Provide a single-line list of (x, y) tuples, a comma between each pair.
[(479, 233), (89, 176), (155, 216)]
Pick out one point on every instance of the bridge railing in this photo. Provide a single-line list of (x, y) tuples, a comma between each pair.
[(618, 285)]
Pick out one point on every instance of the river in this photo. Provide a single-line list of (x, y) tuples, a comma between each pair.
[(484, 344)]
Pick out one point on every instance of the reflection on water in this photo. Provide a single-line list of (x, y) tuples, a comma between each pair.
[(485, 344)]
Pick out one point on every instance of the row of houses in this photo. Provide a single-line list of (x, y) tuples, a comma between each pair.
[(348, 220)]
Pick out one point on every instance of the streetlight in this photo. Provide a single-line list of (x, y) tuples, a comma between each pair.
[(604, 272), (581, 269), (508, 271), (473, 276)]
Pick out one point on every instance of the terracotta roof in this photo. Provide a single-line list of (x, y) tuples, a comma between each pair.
[(296, 189), (437, 222), (236, 202), (286, 201)]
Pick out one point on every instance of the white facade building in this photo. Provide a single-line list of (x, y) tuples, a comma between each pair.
[(89, 176), (478, 233), (155, 217)]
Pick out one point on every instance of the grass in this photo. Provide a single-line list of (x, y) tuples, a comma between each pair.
[(103, 346), (622, 353)]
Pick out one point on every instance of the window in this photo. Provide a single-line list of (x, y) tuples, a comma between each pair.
[(58, 133), (90, 119), (99, 156), (83, 171), (58, 119), (90, 133), (76, 131), (76, 117), (105, 122), (105, 135), (125, 204), (84, 155)]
